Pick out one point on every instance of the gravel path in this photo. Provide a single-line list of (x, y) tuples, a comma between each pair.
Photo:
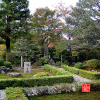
[(79, 78)]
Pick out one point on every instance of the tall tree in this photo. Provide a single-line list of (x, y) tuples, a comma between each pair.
[(46, 25), (13, 20), (85, 20)]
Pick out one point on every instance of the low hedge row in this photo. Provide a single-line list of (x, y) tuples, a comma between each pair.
[(83, 73), (15, 94), (89, 75), (36, 81), (71, 69), (56, 70)]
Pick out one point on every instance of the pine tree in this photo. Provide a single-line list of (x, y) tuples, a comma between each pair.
[(13, 20), (85, 22)]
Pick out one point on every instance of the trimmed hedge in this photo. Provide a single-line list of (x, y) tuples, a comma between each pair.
[(71, 69), (56, 70), (89, 75), (36, 81), (83, 73), (15, 94)]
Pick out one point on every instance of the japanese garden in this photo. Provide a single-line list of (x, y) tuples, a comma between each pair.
[(45, 58)]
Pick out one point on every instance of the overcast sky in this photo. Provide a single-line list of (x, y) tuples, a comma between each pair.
[(33, 4)]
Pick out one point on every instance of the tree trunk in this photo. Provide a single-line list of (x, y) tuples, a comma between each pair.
[(21, 61), (61, 58), (8, 44)]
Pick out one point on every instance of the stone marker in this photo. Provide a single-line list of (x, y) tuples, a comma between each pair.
[(27, 67)]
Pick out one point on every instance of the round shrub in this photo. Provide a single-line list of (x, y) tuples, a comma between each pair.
[(1, 62), (41, 74), (7, 64), (41, 61), (58, 63), (94, 63), (79, 65)]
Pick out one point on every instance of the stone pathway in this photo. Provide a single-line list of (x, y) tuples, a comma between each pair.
[(2, 95), (79, 78)]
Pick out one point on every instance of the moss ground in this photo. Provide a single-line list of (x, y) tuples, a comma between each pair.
[(93, 95), (23, 75)]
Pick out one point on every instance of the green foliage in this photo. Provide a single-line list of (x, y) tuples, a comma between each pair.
[(94, 63), (71, 69), (7, 64), (66, 62), (79, 65), (41, 74), (1, 61), (55, 70), (89, 75), (42, 61), (58, 63), (36, 81), (15, 93)]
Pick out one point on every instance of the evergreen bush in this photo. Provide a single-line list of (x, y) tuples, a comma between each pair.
[(41, 61), (94, 63), (58, 63), (79, 65), (1, 61), (7, 64)]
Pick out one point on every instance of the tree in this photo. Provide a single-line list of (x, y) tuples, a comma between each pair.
[(13, 20), (23, 47), (46, 26), (84, 21)]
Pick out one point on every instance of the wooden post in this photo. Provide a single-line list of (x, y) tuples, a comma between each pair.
[(61, 58), (21, 61)]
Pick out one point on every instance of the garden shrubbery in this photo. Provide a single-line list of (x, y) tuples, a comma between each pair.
[(41, 61), (79, 65), (94, 63), (15, 94), (1, 61), (58, 63), (7, 64), (41, 74)]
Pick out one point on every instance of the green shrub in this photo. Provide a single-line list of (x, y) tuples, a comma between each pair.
[(36, 81), (55, 70), (94, 63), (1, 61), (71, 69), (89, 75), (58, 63), (7, 64), (41, 61), (79, 65), (41, 74), (15, 94)]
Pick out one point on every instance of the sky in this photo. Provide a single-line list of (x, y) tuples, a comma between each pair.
[(33, 4)]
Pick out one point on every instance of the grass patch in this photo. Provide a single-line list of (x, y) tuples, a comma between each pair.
[(23, 75), (93, 95)]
